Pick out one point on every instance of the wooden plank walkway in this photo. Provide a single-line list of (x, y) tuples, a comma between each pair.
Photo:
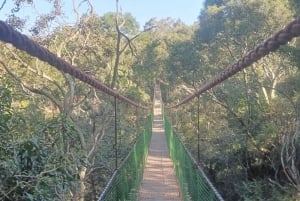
[(159, 180)]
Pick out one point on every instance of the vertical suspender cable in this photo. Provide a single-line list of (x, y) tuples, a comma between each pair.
[(116, 135), (198, 129)]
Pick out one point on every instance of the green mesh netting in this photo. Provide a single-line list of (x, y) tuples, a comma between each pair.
[(125, 181), (193, 181)]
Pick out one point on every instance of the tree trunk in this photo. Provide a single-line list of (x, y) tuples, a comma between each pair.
[(82, 173), (117, 60)]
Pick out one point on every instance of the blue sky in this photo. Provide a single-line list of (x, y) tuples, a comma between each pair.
[(143, 10), (187, 10)]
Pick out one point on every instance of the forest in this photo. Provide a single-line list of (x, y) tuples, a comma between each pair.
[(57, 139)]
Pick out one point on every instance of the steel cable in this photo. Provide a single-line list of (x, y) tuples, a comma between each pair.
[(280, 38), (22, 42)]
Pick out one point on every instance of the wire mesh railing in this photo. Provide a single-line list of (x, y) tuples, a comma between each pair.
[(125, 181), (194, 184)]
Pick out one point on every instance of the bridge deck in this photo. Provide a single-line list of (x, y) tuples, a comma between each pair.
[(159, 180)]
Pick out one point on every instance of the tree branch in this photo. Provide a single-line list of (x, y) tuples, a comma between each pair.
[(44, 76), (3, 3), (33, 90)]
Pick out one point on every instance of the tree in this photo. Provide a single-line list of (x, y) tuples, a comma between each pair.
[(68, 122), (16, 19), (153, 62), (244, 119)]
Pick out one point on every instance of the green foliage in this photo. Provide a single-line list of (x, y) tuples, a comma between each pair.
[(263, 190), (34, 168), (137, 95), (53, 128), (126, 179), (244, 120), (193, 183), (5, 112), (296, 6), (130, 26), (165, 43), (57, 133), (183, 62)]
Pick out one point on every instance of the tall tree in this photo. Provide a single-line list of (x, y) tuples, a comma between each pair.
[(248, 123)]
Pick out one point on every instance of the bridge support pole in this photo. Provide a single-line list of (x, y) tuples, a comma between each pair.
[(198, 129), (116, 134)]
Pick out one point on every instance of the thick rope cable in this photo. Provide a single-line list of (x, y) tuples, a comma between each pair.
[(270, 45), (22, 42)]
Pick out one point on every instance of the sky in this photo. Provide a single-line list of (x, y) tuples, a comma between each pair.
[(143, 10)]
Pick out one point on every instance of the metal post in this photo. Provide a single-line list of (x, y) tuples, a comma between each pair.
[(137, 123), (116, 135), (198, 128)]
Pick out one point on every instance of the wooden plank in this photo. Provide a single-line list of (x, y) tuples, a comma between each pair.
[(159, 180)]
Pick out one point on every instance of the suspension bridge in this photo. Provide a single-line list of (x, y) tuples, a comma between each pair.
[(159, 167)]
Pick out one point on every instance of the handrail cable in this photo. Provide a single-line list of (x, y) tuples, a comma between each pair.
[(22, 42), (270, 45)]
